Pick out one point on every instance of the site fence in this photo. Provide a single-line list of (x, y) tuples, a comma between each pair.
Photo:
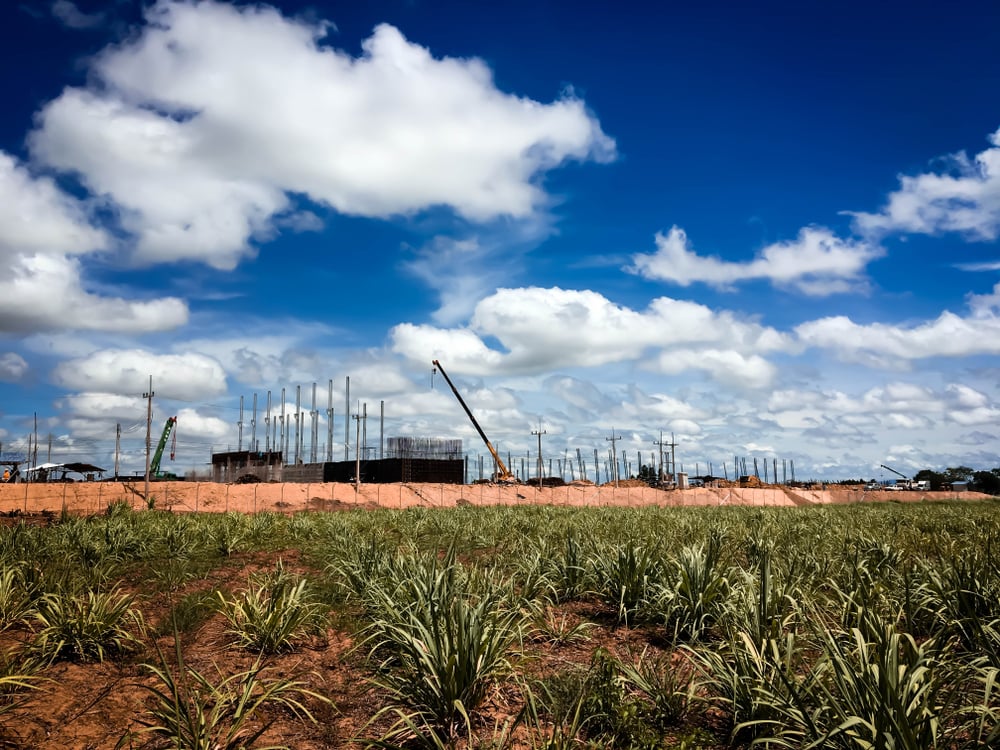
[(86, 498)]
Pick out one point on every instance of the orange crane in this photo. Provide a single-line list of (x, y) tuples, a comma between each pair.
[(503, 473)]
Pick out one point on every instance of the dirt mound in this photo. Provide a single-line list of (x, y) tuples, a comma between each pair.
[(326, 504), (627, 483)]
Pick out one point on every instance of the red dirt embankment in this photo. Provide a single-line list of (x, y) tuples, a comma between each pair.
[(94, 497)]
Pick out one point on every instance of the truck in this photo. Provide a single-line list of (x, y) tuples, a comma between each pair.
[(905, 483)]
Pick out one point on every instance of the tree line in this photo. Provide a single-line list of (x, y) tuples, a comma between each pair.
[(979, 481)]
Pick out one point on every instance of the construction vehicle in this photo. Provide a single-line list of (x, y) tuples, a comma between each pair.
[(154, 464), (905, 483), (503, 474)]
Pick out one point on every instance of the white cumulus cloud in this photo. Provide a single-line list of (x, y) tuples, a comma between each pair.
[(129, 410), (13, 367), (895, 405), (724, 366), (191, 423), (816, 262), (543, 329), (887, 345), (44, 292), (964, 198), (127, 372), (44, 236), (200, 126), (37, 217)]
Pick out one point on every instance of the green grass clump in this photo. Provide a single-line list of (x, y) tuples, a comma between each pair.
[(273, 614), (194, 711), (87, 626), (443, 644)]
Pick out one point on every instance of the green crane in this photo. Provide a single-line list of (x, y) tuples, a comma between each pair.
[(154, 464)]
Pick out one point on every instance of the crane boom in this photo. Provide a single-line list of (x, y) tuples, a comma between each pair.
[(894, 471), (154, 464), (503, 473), (905, 483)]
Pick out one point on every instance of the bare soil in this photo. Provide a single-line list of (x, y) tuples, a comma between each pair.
[(94, 705), (86, 498)]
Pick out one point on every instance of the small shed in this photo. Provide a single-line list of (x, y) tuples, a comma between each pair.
[(47, 472)]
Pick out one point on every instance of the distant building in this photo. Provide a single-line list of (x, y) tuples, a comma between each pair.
[(234, 465), (407, 459)]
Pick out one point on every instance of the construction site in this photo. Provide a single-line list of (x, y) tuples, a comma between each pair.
[(280, 453)]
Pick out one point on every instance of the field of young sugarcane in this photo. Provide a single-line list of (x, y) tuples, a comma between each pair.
[(864, 626)]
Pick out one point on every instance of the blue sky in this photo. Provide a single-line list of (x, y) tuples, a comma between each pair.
[(769, 230)]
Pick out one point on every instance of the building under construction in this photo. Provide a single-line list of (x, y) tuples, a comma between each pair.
[(406, 459), (233, 466)]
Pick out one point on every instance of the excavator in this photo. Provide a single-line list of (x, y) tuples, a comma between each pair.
[(154, 463), (503, 474)]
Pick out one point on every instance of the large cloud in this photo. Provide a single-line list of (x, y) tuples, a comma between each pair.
[(964, 199), (43, 292), (817, 263), (202, 124), (896, 405), (43, 233), (725, 366), (882, 344), (127, 371), (545, 329), (37, 217), (128, 409)]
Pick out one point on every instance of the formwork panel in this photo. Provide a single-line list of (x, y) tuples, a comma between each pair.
[(451, 471)]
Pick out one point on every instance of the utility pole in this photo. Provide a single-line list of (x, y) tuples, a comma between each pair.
[(357, 453), (298, 418), (283, 444), (267, 427), (673, 458), (239, 442), (148, 395), (118, 446), (329, 423), (660, 444), (282, 447), (347, 422), (253, 425), (314, 433), (539, 432), (614, 461)]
